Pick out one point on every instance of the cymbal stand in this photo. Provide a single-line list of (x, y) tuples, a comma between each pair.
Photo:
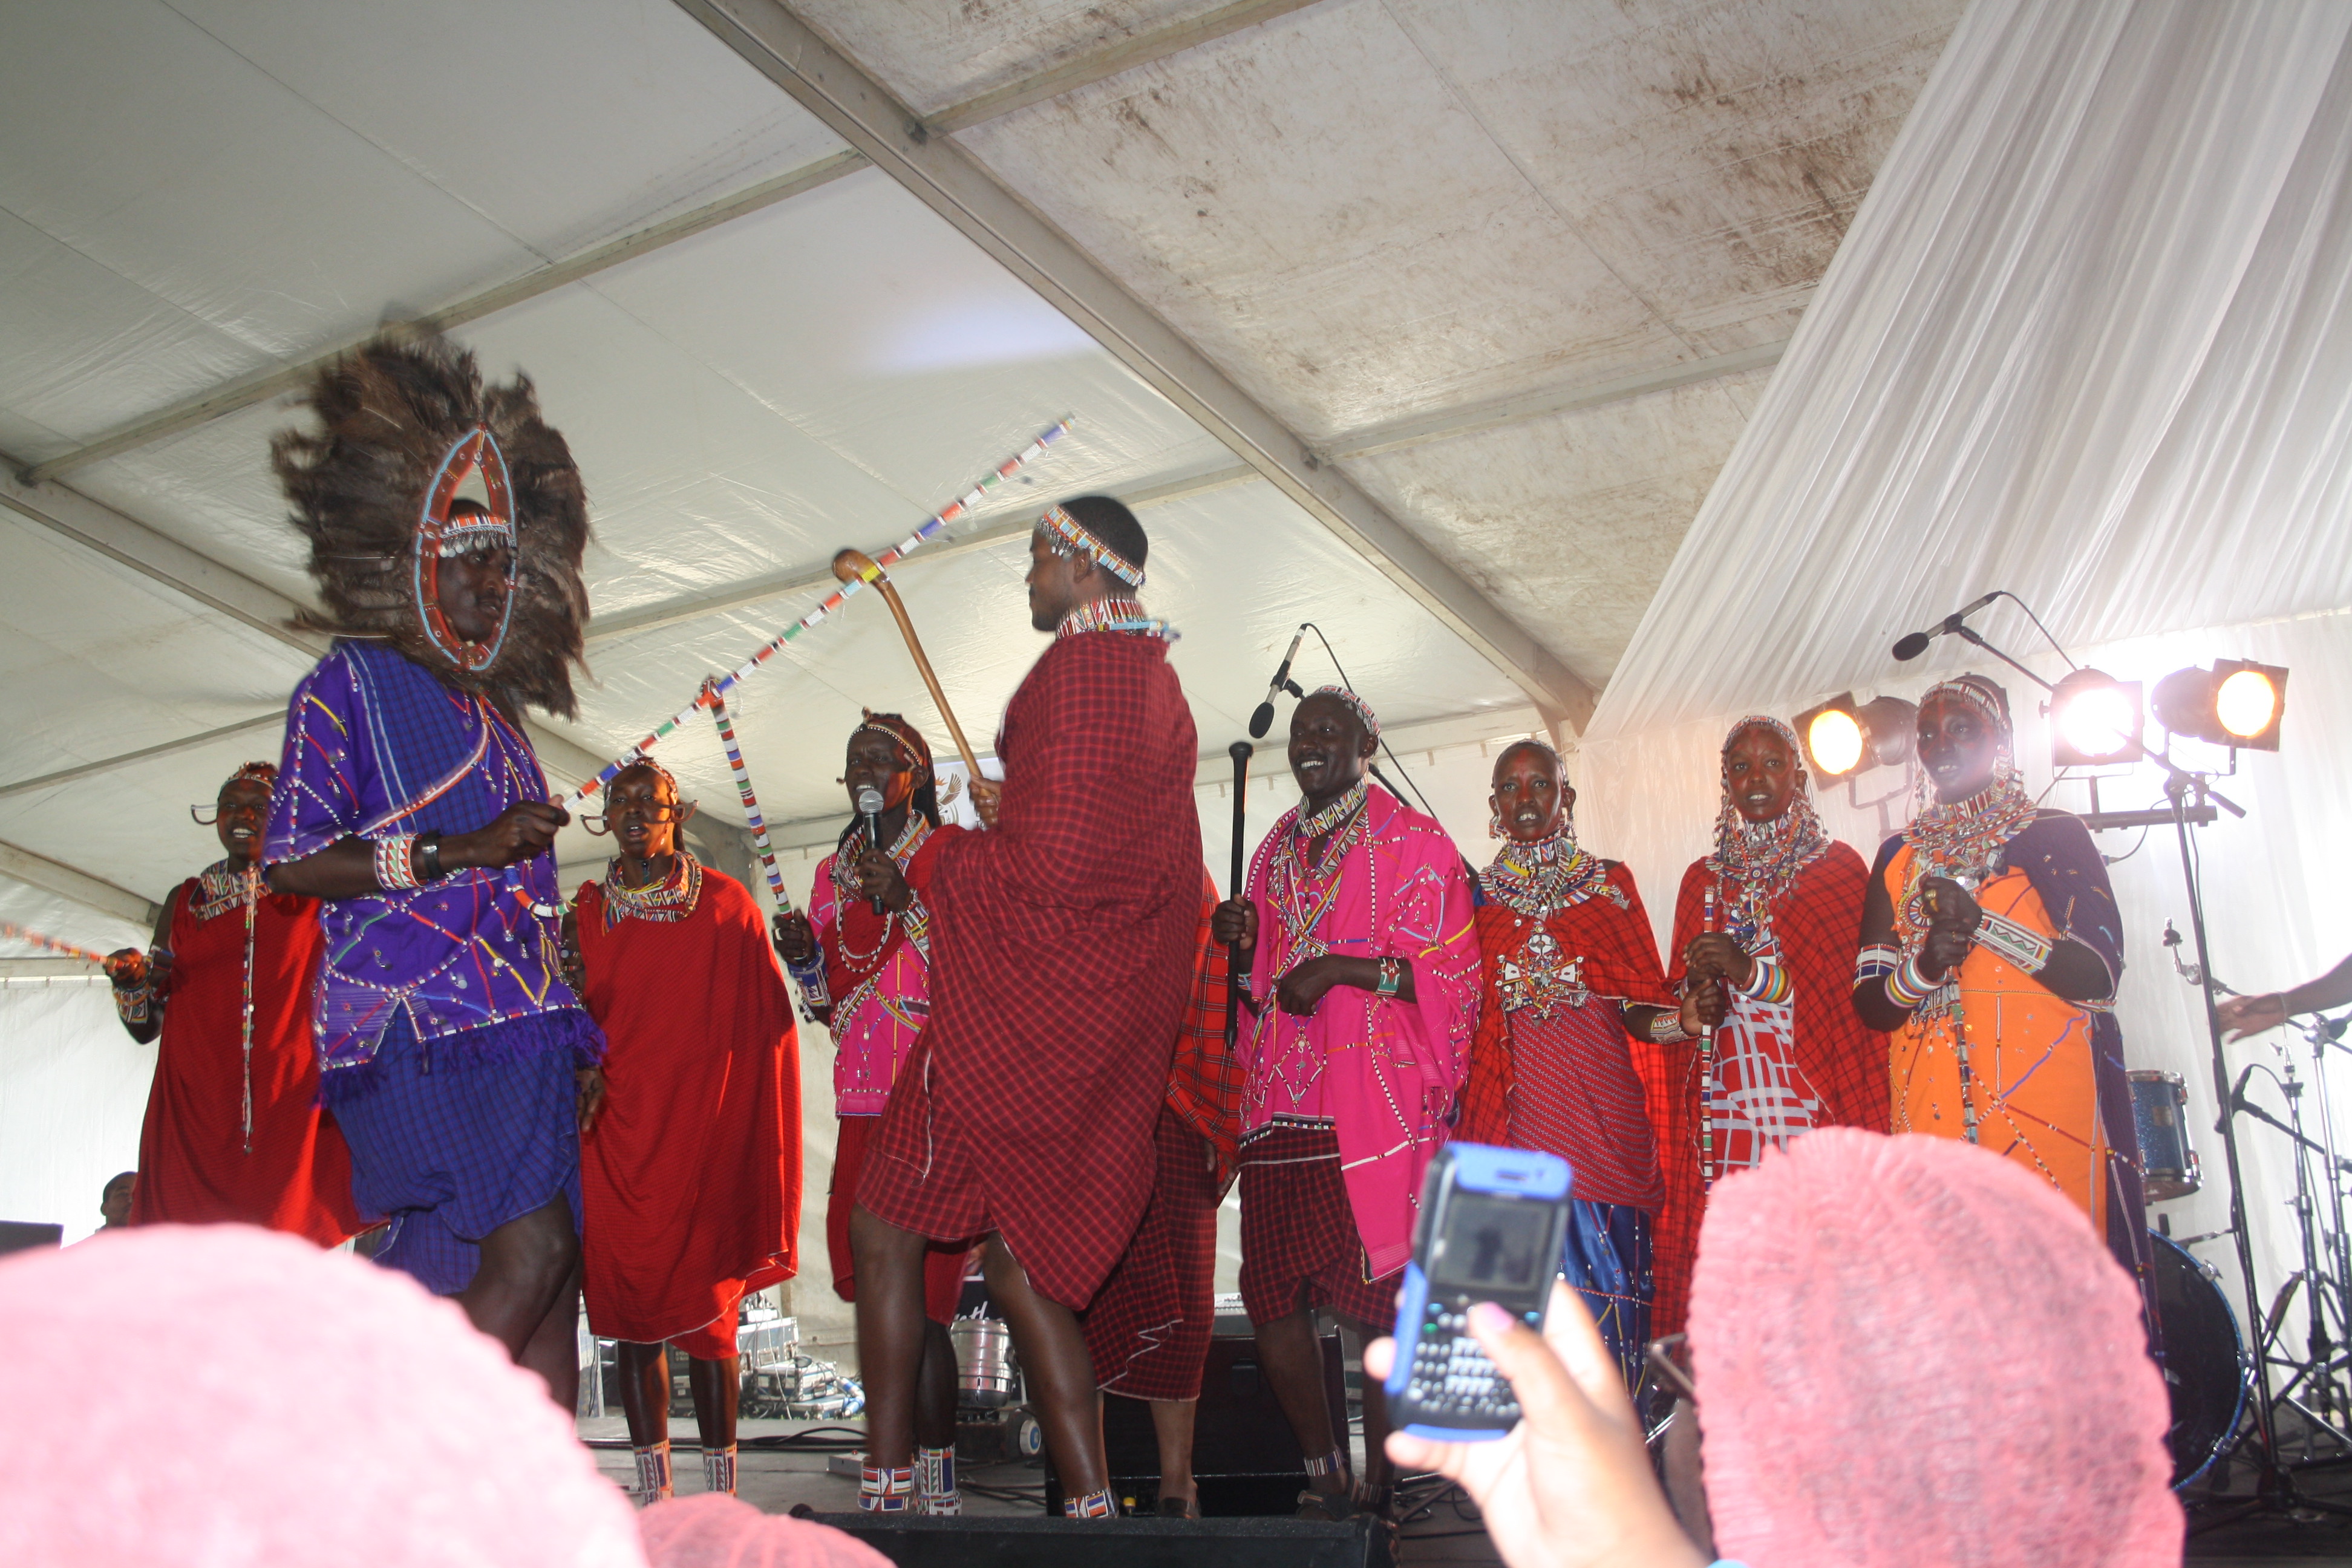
[(2311, 1384)]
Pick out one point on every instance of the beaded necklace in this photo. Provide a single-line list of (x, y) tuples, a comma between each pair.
[(667, 902), (1535, 880), (1962, 840), (1114, 615), (1352, 801), (916, 829), (1302, 887)]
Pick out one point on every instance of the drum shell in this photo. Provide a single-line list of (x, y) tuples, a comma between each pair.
[(2160, 1113), (985, 1375)]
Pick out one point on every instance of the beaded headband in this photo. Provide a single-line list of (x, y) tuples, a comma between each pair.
[(1361, 708), (1080, 539), (256, 772), (1976, 691), (909, 740), (658, 772), (1788, 738)]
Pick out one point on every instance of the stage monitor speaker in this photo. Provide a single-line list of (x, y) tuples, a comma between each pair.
[(20, 1235), (1243, 1454), (981, 1541)]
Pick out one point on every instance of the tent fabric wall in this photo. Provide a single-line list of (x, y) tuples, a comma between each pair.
[(2083, 341), (73, 1088)]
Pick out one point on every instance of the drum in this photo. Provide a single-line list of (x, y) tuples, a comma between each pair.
[(985, 1375), (2160, 1112), (2205, 1365)]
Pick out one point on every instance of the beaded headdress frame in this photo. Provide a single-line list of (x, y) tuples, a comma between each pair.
[(401, 424), (1988, 699), (262, 774), (440, 537), (600, 822), (1065, 535)]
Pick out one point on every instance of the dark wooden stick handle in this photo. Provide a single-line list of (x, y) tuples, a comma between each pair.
[(1241, 752), (851, 564)]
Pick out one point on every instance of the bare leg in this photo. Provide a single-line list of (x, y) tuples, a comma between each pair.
[(525, 1295), (1060, 1374), (1172, 1423), (935, 1389), (644, 1393), (1293, 1359), (889, 1333), (717, 1393), (553, 1349), (1380, 1474)]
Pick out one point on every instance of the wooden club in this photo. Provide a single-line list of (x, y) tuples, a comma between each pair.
[(853, 564)]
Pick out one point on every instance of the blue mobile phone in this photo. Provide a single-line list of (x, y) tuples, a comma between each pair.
[(1494, 1223)]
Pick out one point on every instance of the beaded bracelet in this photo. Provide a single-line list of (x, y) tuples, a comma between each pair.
[(1391, 978), (131, 1004), (1907, 987), (1771, 983), (1666, 1027), (394, 873), (2028, 949)]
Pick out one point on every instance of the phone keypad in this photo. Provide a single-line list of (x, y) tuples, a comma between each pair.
[(1453, 1379)]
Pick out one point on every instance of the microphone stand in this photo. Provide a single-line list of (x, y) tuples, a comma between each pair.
[(1241, 752)]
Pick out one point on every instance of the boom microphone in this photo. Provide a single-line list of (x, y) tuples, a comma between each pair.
[(1912, 646), (1263, 720)]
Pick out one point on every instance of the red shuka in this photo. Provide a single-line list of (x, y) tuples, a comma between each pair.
[(691, 1177), (193, 1168), (1205, 1084), (1819, 925), (1058, 973)]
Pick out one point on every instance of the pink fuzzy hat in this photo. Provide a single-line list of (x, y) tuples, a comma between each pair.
[(1912, 1353), (712, 1529), (217, 1394)]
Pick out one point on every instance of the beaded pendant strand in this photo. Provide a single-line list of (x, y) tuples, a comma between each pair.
[(1707, 1073)]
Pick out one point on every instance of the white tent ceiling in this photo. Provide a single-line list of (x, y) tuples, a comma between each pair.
[(1487, 291)]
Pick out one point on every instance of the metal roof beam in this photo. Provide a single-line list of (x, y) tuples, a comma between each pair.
[(954, 183), (67, 882), (211, 405)]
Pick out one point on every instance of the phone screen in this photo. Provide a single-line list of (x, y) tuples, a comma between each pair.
[(1493, 1243)]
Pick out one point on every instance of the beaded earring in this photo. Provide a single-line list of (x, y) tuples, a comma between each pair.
[(1494, 824)]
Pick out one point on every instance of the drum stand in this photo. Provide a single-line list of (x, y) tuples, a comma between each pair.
[(2277, 1491)]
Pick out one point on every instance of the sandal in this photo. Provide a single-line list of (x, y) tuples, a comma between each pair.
[(1330, 1508), (1179, 1508)]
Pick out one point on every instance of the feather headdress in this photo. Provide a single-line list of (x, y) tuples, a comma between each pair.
[(402, 421)]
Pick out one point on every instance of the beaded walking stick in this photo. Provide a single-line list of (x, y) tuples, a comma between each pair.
[(1706, 1076), (1961, 1046), (720, 685), (252, 914), (67, 948), (808, 976)]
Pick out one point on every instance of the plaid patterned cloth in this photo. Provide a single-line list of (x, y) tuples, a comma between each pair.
[(1299, 1245), (1060, 955), (1817, 924), (1148, 1330), (451, 1139), (943, 1263), (375, 745), (1206, 1083)]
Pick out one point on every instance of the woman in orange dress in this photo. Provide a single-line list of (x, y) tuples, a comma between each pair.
[(1990, 950)]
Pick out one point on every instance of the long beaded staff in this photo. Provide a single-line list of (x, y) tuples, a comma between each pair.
[(1706, 1075), (809, 976), (1960, 1045), (719, 685), (23, 934), (252, 914)]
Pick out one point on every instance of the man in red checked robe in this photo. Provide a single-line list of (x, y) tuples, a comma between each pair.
[(234, 1131), (1059, 966), (1772, 916), (1148, 1330), (1569, 983), (690, 1143)]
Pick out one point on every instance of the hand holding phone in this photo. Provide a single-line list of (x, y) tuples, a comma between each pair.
[(1493, 1224)]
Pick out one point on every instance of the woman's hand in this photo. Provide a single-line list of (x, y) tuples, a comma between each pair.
[(878, 877), (795, 939), (1571, 1485), (1714, 955), (127, 967), (1234, 921), (1703, 1008)]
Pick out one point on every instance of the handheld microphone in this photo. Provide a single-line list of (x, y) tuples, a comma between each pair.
[(1263, 720), (869, 805), (1912, 646)]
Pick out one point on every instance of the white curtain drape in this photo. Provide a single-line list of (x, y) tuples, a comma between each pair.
[(2085, 340)]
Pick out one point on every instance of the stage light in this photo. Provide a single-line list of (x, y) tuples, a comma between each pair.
[(2094, 720), (1844, 741), (2235, 703)]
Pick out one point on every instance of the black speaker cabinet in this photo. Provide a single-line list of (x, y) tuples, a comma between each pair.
[(1027, 1542), (1244, 1455)]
